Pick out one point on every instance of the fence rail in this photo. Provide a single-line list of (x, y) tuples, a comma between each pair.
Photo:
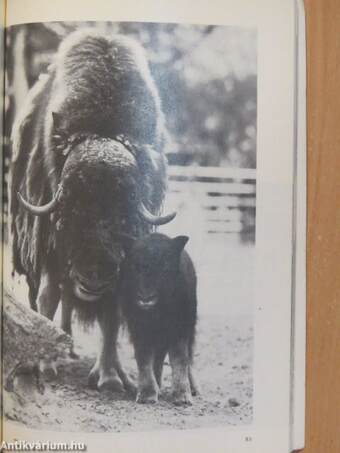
[(219, 200), (197, 172)]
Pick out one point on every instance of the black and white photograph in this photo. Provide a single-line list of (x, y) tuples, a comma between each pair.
[(130, 226)]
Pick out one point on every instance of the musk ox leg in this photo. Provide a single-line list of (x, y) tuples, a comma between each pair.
[(48, 295), (127, 382), (66, 315), (148, 389), (107, 372), (180, 364), (103, 375), (195, 389), (160, 354), (32, 294), (66, 320), (48, 300)]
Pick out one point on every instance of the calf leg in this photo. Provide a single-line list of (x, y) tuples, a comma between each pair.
[(148, 389), (180, 363)]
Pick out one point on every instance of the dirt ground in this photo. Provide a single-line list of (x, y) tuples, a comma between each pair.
[(223, 368)]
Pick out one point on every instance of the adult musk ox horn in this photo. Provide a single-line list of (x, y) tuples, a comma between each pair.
[(44, 209), (153, 219)]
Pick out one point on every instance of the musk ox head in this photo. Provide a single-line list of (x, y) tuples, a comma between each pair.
[(97, 206)]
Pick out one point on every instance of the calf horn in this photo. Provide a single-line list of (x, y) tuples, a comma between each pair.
[(44, 209), (153, 219)]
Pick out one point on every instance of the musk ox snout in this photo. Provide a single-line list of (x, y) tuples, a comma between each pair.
[(94, 272)]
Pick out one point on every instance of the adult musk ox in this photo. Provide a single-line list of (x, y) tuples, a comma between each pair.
[(88, 172)]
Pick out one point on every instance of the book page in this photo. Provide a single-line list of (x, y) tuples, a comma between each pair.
[(99, 98)]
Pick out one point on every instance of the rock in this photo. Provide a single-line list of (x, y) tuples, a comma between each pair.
[(233, 402)]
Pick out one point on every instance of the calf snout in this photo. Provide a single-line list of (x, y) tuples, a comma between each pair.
[(146, 301)]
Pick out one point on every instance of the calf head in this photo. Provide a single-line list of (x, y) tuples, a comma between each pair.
[(153, 266)]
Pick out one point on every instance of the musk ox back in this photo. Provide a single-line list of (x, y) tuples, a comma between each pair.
[(107, 88), (88, 171)]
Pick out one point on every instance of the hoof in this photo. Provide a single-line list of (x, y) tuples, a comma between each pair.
[(183, 399), (92, 379), (73, 355), (147, 398), (130, 386), (101, 380), (195, 391), (112, 383)]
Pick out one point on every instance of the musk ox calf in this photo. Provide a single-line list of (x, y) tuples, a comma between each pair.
[(88, 170), (159, 302)]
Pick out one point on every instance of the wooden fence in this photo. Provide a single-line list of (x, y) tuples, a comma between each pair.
[(224, 199)]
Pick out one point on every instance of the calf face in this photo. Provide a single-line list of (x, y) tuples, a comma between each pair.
[(159, 302), (154, 269)]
